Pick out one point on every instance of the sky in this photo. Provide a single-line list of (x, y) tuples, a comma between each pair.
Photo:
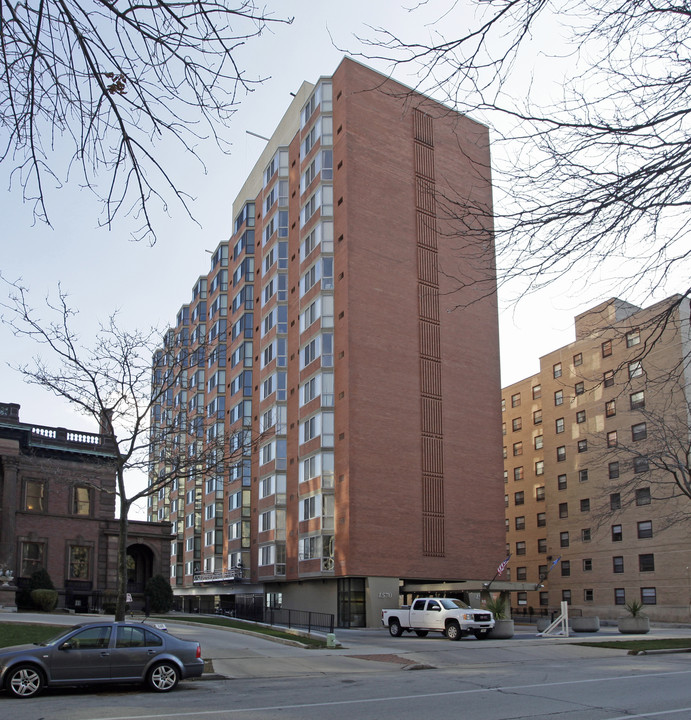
[(103, 270)]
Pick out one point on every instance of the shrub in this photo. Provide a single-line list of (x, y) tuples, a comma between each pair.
[(159, 593), (497, 606), (40, 580), (44, 599)]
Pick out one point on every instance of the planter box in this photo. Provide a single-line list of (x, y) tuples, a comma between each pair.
[(502, 630), (634, 625), (585, 624), (543, 623)]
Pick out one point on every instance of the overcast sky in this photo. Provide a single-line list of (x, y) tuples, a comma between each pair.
[(103, 270)]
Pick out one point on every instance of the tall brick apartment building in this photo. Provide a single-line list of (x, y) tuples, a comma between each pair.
[(57, 505), (586, 444), (350, 324)]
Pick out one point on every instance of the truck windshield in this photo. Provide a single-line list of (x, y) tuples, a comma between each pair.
[(453, 603)]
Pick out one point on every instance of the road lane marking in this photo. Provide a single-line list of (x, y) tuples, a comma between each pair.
[(420, 696)]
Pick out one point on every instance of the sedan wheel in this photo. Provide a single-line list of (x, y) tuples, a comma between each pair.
[(24, 681), (163, 677)]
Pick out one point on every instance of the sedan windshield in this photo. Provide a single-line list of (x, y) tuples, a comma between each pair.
[(55, 640)]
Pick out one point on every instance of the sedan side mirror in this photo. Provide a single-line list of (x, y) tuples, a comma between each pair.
[(67, 645)]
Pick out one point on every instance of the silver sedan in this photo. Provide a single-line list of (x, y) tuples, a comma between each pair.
[(101, 652)]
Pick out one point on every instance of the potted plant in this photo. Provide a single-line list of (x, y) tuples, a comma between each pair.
[(637, 622), (503, 625)]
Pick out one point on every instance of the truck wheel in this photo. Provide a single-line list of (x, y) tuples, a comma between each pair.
[(421, 633), (481, 634), (453, 631), (395, 629)]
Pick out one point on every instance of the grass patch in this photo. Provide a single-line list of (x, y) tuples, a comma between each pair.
[(641, 645), (250, 627), (14, 633)]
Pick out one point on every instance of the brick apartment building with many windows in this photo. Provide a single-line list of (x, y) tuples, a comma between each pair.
[(326, 350), (591, 443)]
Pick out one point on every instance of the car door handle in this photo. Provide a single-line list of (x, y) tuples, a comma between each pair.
[(105, 654), (152, 652)]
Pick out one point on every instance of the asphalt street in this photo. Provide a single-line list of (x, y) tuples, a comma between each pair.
[(372, 675)]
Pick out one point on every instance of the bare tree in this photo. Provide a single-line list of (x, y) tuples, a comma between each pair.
[(119, 382), (94, 89), (602, 174)]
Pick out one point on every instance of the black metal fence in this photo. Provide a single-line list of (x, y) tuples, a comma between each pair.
[(252, 608), (302, 619)]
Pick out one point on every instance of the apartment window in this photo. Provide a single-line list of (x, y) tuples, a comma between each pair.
[(580, 416), (643, 496), (520, 548), (79, 563), (522, 598), (649, 596), (608, 378), (503, 428), (619, 596), (81, 501), (32, 558), (633, 337), (606, 348), (612, 439), (538, 442), (559, 397), (541, 519), (517, 449), (521, 573), (537, 392), (579, 388), (610, 408), (540, 493), (542, 545), (637, 400), (544, 599), (639, 431), (516, 400), (34, 496), (504, 453), (635, 369), (587, 564), (582, 446), (559, 425), (613, 468), (565, 568), (561, 482), (646, 563), (617, 534), (506, 476), (518, 498), (640, 464), (645, 529), (578, 359), (587, 595), (564, 539), (585, 504), (563, 510), (537, 417), (583, 475), (566, 595), (561, 453), (503, 405), (540, 467), (556, 370), (615, 501), (518, 473), (618, 564), (520, 522), (585, 535), (516, 424)]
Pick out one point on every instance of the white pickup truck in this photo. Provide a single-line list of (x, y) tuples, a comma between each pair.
[(445, 615)]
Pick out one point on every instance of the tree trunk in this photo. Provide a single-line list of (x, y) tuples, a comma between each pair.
[(121, 602)]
